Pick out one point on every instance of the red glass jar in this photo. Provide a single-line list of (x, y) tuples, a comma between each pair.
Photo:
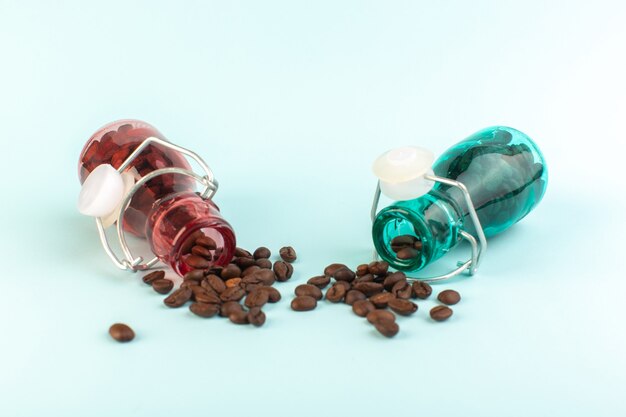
[(166, 210)]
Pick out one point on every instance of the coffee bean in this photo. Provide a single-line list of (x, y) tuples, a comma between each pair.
[(214, 270), (421, 289), (262, 252), (238, 317), (153, 276), (344, 284), (407, 253), (230, 307), (321, 281), (205, 296), (121, 332), (265, 276), (378, 268), (336, 293), (256, 298), (364, 278), (368, 288), (310, 290), (250, 270), (403, 241), (352, 296), (215, 283), (195, 275), (287, 253), (381, 299), (387, 328), (162, 286), (418, 245), (344, 274), (178, 297), (202, 251), (378, 316), (449, 297), (361, 270), (264, 263), (230, 271), (303, 303), (204, 310), (232, 294), (233, 282), (402, 307), (256, 316), (332, 268), (363, 307), (242, 253), (206, 241), (197, 262), (440, 313), (402, 289), (243, 262), (392, 279), (273, 295), (283, 270), (189, 283)]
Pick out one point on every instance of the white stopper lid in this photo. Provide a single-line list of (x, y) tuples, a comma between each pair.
[(102, 191), (401, 172)]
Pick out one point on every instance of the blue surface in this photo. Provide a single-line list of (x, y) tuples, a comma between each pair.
[(290, 102)]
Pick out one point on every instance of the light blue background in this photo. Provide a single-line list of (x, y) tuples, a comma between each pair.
[(290, 102)]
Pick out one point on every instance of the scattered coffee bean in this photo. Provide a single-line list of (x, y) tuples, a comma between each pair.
[(261, 252), (287, 253), (382, 299), (194, 275), (332, 268), (369, 288), (256, 316), (344, 274), (244, 263), (363, 307), (273, 295), (204, 310), (264, 263), (230, 271), (121, 332), (202, 251), (440, 313), (178, 297), (421, 289), (250, 270), (233, 282), (364, 278), (230, 307), (242, 253), (402, 289), (402, 307), (205, 296), (283, 270), (320, 282), (378, 316), (336, 293), (256, 298), (362, 269), (265, 276), (238, 317), (162, 286), (153, 276), (352, 296), (310, 290), (344, 284), (303, 303), (197, 262), (449, 297), (378, 267), (392, 279), (232, 294), (215, 283), (387, 328), (207, 242)]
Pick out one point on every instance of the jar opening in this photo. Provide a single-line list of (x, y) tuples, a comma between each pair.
[(214, 244)]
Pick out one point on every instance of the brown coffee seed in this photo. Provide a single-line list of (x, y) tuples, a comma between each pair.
[(368, 288), (273, 295), (256, 298), (303, 303), (202, 251), (344, 274), (403, 241), (265, 276), (378, 316), (363, 307), (361, 270), (387, 328), (215, 283), (204, 310), (364, 278), (402, 307), (378, 268), (402, 289), (162, 286), (407, 253), (321, 281), (250, 270), (238, 317), (230, 271), (206, 241), (421, 289), (189, 283), (244, 263), (287, 253), (232, 294), (264, 263), (381, 299), (283, 270), (440, 313), (310, 290), (256, 316), (332, 268), (197, 262), (344, 284), (262, 252), (449, 297), (242, 253), (230, 307), (153, 276), (195, 275), (121, 332), (392, 279), (178, 297), (352, 296), (336, 293), (233, 282), (205, 296)]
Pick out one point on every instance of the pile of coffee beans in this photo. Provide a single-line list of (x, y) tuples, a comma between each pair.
[(237, 291), (372, 290)]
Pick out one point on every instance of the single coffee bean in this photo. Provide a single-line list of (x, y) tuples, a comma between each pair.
[(402, 307), (121, 332), (361, 270), (378, 267), (440, 313), (320, 282), (310, 290), (204, 296), (202, 251), (215, 270), (264, 263), (364, 278), (262, 252), (197, 262), (230, 307), (344, 284), (381, 299), (363, 307), (230, 271), (162, 286), (238, 317), (250, 270), (369, 288), (178, 297), (387, 328), (283, 270), (332, 268), (194, 275), (232, 294), (449, 297), (153, 276), (204, 310), (265, 276), (189, 283), (402, 289), (242, 253), (256, 298), (273, 295), (244, 263), (215, 283), (256, 316), (352, 296), (418, 245), (336, 293), (421, 289), (407, 253), (248, 288), (344, 274), (378, 316), (233, 282), (403, 241), (392, 279), (287, 253), (303, 303), (206, 241)]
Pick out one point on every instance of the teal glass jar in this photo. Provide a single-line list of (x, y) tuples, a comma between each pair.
[(506, 176)]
